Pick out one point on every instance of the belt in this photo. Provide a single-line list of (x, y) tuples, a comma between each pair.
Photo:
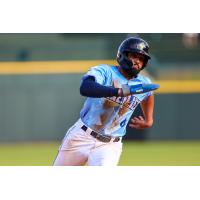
[(101, 137)]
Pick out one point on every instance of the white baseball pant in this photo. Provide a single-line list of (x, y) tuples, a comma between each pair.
[(79, 147)]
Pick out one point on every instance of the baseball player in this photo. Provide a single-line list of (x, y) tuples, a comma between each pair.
[(96, 138)]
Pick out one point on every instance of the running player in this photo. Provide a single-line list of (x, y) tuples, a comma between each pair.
[(96, 138)]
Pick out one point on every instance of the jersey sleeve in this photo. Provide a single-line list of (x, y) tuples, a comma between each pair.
[(100, 73)]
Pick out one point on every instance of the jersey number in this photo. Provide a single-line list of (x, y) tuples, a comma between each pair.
[(122, 124)]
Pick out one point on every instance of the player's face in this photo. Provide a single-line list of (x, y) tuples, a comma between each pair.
[(137, 60)]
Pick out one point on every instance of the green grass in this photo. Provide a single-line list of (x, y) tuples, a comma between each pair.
[(170, 153)]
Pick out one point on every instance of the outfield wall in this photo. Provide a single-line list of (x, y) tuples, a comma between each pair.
[(43, 105), (176, 117)]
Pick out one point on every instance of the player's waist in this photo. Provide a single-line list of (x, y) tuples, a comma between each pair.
[(99, 136)]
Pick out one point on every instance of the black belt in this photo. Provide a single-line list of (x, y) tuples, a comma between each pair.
[(100, 137)]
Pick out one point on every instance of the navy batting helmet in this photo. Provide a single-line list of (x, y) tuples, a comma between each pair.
[(134, 45)]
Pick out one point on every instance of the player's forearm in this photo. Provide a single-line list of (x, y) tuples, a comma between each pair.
[(148, 116), (90, 88), (147, 108)]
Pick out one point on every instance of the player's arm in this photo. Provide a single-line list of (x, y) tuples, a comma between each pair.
[(90, 88), (147, 121)]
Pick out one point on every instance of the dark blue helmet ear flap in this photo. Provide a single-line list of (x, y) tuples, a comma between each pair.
[(134, 45), (123, 59)]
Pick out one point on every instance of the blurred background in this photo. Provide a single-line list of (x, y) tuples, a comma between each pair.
[(39, 88)]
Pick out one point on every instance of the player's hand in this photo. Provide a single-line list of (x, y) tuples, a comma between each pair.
[(139, 123), (137, 89)]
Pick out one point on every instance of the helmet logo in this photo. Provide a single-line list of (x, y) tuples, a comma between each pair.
[(141, 46)]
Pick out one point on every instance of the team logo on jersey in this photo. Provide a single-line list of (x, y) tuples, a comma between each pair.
[(129, 102)]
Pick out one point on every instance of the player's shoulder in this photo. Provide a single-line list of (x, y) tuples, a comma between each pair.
[(102, 66), (143, 79)]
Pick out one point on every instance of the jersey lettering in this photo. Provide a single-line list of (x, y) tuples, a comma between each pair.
[(130, 102)]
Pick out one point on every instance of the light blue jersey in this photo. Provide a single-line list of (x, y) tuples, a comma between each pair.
[(110, 115)]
